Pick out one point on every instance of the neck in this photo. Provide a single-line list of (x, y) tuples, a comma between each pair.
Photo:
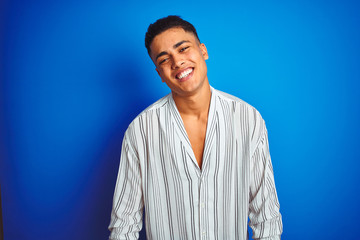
[(196, 105)]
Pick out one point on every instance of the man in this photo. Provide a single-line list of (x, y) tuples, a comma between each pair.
[(197, 159)]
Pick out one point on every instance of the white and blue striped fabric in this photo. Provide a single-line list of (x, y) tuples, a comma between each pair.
[(158, 170)]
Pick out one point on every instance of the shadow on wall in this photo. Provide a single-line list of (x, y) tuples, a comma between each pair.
[(133, 97), (1, 222)]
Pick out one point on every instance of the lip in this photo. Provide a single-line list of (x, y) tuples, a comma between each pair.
[(187, 77)]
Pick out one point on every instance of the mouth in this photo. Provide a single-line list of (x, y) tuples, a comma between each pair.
[(184, 75)]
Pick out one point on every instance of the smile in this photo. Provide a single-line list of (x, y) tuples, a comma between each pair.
[(184, 74)]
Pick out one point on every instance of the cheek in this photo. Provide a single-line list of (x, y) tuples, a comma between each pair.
[(192, 55), (164, 73), (196, 56)]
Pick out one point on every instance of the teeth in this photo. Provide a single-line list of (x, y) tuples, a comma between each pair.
[(185, 73)]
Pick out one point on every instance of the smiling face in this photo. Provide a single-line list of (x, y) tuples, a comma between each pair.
[(180, 61)]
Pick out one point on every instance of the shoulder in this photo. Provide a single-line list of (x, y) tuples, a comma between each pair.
[(244, 113), (159, 104), (148, 112), (237, 103), (136, 132)]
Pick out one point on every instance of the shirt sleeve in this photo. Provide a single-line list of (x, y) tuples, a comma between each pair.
[(127, 210), (264, 214)]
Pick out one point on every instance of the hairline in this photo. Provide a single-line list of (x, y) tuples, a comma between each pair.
[(174, 27)]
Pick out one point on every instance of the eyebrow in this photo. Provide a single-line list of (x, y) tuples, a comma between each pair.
[(175, 46)]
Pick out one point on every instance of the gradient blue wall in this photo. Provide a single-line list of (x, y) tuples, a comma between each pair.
[(75, 73)]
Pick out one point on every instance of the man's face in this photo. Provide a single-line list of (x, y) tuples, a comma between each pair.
[(180, 61)]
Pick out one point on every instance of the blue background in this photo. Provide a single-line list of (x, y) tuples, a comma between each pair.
[(75, 73)]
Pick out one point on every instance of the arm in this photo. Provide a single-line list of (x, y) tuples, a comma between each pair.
[(265, 218), (126, 214)]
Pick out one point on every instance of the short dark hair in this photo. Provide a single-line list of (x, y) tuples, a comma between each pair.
[(163, 24)]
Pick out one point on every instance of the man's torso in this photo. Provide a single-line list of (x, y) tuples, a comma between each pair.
[(182, 200)]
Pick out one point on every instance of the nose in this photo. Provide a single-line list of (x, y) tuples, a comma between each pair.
[(177, 61)]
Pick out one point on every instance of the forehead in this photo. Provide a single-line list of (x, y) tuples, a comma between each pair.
[(167, 39)]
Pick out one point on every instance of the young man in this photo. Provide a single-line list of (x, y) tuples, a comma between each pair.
[(197, 159)]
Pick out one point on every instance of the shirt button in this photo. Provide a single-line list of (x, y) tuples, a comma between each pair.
[(202, 205), (203, 233)]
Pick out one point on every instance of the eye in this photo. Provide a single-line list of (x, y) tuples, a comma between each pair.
[(183, 49), (163, 61)]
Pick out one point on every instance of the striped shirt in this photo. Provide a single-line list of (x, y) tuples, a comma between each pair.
[(158, 170)]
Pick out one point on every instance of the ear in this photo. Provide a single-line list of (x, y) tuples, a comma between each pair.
[(158, 72), (204, 51)]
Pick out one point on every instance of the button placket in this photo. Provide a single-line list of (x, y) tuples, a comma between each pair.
[(202, 211)]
